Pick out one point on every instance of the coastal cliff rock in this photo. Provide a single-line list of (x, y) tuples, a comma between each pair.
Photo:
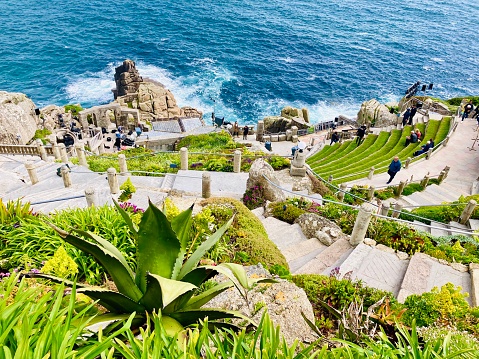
[(18, 121), (275, 124), (150, 97), (373, 113)]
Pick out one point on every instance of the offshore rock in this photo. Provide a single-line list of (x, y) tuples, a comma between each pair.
[(283, 300), (373, 113), (127, 79), (18, 121), (276, 124)]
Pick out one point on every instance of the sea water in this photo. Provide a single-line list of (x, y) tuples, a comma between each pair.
[(242, 59)]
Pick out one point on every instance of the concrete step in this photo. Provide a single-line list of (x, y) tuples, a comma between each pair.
[(422, 199), (283, 234), (420, 226), (457, 225), (474, 224), (439, 193), (377, 267), (425, 272), (456, 187), (300, 253), (329, 257), (439, 232), (168, 182), (259, 212)]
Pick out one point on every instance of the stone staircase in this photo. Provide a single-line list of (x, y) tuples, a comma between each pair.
[(49, 193), (375, 265)]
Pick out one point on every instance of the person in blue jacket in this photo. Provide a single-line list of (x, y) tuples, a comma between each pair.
[(394, 168)]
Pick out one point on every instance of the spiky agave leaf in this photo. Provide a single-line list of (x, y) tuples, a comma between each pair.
[(127, 219), (157, 248), (181, 225), (191, 316)]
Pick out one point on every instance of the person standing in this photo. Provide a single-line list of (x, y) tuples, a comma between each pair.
[(361, 132), (236, 129), (411, 116), (467, 110), (245, 132), (394, 168), (406, 116), (334, 138)]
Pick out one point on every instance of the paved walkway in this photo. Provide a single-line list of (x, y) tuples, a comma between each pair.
[(457, 155)]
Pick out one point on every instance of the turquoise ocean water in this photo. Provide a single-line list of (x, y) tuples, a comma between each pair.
[(244, 59)]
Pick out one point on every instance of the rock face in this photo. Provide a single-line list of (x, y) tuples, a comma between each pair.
[(276, 124), (283, 300), (315, 226), (372, 113), (127, 79), (18, 121), (257, 173)]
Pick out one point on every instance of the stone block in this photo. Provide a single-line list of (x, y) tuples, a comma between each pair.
[(288, 135), (266, 138), (459, 267), (274, 138), (384, 248), (294, 138), (402, 255), (369, 242), (298, 171), (282, 137)]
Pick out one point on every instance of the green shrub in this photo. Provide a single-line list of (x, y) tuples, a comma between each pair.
[(278, 163), (411, 188), (42, 135), (127, 189), (60, 265), (386, 193), (246, 237), (285, 211), (219, 164), (208, 142), (75, 109), (254, 197)]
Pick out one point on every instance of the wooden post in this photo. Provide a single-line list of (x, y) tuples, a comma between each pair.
[(63, 152), (342, 191), (41, 150), (446, 171), (56, 151), (466, 214), (446, 140), (440, 178), (330, 179), (237, 162), (67, 181), (401, 186), (90, 195), (184, 158), (371, 173), (408, 161), (428, 153), (32, 172), (123, 165), (113, 181), (361, 224), (371, 193), (425, 181), (385, 209), (81, 155), (206, 185), (397, 210)]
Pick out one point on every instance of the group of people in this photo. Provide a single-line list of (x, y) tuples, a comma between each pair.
[(236, 131), (414, 137), (468, 108), (122, 139), (408, 115)]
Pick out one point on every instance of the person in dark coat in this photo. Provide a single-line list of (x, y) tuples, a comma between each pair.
[(334, 138), (406, 116), (245, 132), (361, 132), (394, 168), (467, 110), (411, 116), (411, 139)]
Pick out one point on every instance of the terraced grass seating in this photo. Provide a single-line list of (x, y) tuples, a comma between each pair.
[(348, 162)]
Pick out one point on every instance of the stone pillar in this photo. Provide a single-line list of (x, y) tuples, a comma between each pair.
[(371, 173), (63, 152), (425, 181), (397, 210), (446, 171), (446, 140), (90, 195), (474, 271), (101, 149), (113, 181), (428, 153), (385, 209), (408, 161), (32, 172), (123, 165), (289, 135), (56, 151), (184, 158), (81, 155), (237, 162), (441, 177), (342, 187), (401, 186), (206, 185), (466, 214), (67, 181), (361, 224), (371, 193), (260, 131), (294, 131), (41, 150)]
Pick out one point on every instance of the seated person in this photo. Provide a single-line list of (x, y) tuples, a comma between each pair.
[(418, 134), (334, 138), (431, 143), (424, 149), (412, 138)]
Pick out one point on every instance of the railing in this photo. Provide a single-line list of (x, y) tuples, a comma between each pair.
[(24, 150)]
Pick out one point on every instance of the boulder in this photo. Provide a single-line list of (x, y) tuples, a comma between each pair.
[(127, 79), (284, 301), (315, 226), (257, 173), (373, 113), (18, 121), (276, 124)]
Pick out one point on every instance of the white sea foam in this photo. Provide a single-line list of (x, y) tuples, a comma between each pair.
[(288, 60), (437, 59)]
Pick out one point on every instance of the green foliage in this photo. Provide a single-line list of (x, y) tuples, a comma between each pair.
[(447, 304), (357, 194), (254, 197), (12, 211), (208, 142), (127, 189), (246, 237), (386, 193), (42, 135), (411, 188), (61, 265), (278, 162), (218, 164), (285, 211), (280, 271), (170, 209), (75, 109)]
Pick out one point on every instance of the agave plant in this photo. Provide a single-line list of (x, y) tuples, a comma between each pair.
[(166, 278)]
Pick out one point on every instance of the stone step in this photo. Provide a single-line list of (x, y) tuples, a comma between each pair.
[(421, 199), (168, 182), (378, 267), (284, 236), (420, 226), (457, 225), (425, 272), (456, 187), (259, 213), (329, 257), (302, 250), (474, 224), (439, 193), (439, 232)]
